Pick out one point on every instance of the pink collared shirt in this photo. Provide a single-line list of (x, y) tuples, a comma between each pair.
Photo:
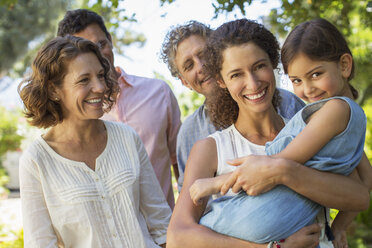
[(150, 107)]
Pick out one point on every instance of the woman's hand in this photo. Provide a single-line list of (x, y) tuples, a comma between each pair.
[(307, 237), (340, 240), (255, 175)]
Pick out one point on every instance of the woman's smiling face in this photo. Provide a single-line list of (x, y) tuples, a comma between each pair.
[(83, 87), (248, 74)]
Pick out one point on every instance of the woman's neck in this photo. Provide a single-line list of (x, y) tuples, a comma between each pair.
[(76, 132), (259, 128)]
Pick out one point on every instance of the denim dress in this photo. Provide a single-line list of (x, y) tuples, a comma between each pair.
[(280, 212)]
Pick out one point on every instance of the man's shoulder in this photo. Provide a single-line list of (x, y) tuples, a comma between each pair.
[(193, 121)]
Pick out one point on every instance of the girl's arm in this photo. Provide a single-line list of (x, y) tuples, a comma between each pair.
[(203, 187), (329, 121), (184, 230), (259, 174)]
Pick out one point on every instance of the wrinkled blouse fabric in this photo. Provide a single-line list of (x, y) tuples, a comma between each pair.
[(66, 204)]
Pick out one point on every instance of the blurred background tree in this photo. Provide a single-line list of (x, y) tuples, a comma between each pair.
[(25, 25), (10, 140)]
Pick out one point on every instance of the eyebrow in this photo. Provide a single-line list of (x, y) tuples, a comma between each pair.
[(309, 72)]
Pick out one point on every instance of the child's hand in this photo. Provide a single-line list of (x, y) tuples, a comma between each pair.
[(201, 188), (254, 175), (340, 240)]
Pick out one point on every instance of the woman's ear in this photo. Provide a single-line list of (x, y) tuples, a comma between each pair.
[(54, 94), (346, 64), (221, 83)]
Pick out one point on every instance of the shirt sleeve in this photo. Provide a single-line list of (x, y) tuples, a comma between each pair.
[(182, 155), (174, 123), (153, 205), (37, 225)]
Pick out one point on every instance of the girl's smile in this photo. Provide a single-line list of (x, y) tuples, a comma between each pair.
[(315, 80)]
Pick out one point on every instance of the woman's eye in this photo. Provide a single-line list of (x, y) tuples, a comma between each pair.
[(315, 74), (260, 66), (235, 75), (296, 81), (101, 76), (84, 80)]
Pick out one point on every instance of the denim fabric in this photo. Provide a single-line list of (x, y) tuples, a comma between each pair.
[(281, 212), (342, 154)]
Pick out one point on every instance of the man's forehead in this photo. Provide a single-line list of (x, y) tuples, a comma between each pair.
[(92, 32)]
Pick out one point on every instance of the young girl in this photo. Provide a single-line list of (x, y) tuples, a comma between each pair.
[(280, 212)]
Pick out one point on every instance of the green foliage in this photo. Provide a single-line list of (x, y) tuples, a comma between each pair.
[(10, 140), (368, 145), (114, 15), (189, 101), (18, 242), (25, 25), (24, 21)]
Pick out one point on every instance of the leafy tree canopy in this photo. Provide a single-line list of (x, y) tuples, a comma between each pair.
[(25, 25)]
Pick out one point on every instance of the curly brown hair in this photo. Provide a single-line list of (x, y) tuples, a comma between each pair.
[(48, 71), (222, 109)]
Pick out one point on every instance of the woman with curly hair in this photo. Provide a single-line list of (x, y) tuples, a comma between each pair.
[(241, 55), (85, 182)]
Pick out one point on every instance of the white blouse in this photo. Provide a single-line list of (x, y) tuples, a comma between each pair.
[(67, 204)]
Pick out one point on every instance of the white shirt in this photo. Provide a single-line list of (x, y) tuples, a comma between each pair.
[(66, 204)]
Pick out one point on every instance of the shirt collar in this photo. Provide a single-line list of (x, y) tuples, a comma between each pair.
[(123, 78)]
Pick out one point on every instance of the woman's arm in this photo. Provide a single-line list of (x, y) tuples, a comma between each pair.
[(184, 230), (344, 219), (258, 174), (37, 225)]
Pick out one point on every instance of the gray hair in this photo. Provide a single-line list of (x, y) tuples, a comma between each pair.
[(175, 36)]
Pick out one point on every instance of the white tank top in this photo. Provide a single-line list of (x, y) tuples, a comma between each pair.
[(231, 144)]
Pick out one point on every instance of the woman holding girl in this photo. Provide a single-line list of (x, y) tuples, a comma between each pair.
[(307, 138), (244, 55), (85, 182)]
